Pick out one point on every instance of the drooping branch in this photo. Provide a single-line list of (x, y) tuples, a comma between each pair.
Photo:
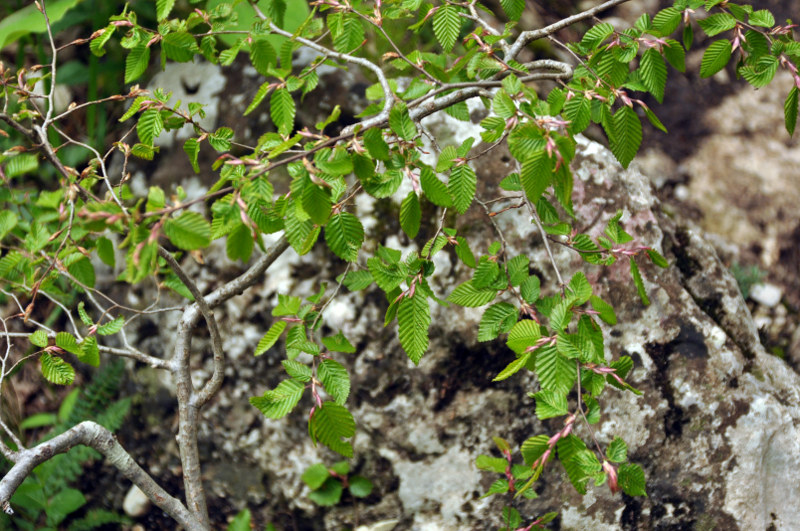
[(95, 436)]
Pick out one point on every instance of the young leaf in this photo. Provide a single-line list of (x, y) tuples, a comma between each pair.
[(525, 333), (90, 353), (111, 327), (631, 480), (717, 23), (360, 487), (529, 289), (150, 126), (555, 372), (550, 404), (344, 235), (67, 341), (468, 295), (189, 231), (335, 379), (297, 370), (279, 402), (513, 8), (180, 46), (462, 186), (263, 56), (617, 451), (604, 310), (413, 320), (56, 370), (513, 367), (38, 338), (400, 122), (580, 288), (627, 135), (715, 57), (270, 337), (434, 189), (315, 476), (8, 220), (192, 149), (410, 215), (447, 25), (763, 18), (637, 279), (497, 318), (136, 62), (282, 110), (536, 175), (790, 110), (330, 424), (653, 73)]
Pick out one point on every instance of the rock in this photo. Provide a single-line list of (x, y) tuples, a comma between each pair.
[(384, 525), (136, 503), (768, 295)]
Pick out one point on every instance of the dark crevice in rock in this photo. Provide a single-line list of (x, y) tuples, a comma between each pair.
[(632, 514), (469, 367)]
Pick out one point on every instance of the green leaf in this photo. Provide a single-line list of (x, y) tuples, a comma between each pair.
[(317, 202), (637, 279), (631, 480), (447, 25), (513, 367), (667, 20), (536, 175), (401, 123), (163, 8), (578, 110), (330, 424), (287, 305), (653, 73), (279, 402), (513, 8), (529, 289), (387, 276), (503, 105), (434, 189), (580, 463), (335, 379), (344, 235), (761, 73), (189, 231), (468, 295), (790, 110), (56, 370), (651, 116), (192, 149), (605, 310), (315, 476), (717, 23), (220, 139), (112, 327), (410, 215), (282, 110), (338, 343), (550, 404), (150, 126), (597, 34), (555, 372), (675, 54), (136, 63), (360, 487), (263, 56), (762, 18), (462, 186), (180, 46), (297, 370), (715, 58), (90, 353), (497, 318), (617, 451), (8, 220), (517, 269), (413, 320), (376, 146), (240, 522), (356, 280), (491, 464), (68, 342), (627, 135), (271, 337), (533, 448), (526, 333), (580, 288), (83, 271), (38, 338)]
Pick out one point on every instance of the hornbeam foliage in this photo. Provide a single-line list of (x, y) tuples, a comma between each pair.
[(299, 183)]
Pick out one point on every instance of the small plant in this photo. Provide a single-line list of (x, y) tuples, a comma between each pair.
[(747, 277), (328, 484)]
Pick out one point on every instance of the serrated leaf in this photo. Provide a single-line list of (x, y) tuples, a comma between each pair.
[(631, 480), (400, 122), (497, 318), (717, 23), (533, 448), (97, 45), (637, 280), (271, 337), (263, 56), (790, 110), (596, 35), (387, 276), (579, 463), (192, 149), (550, 404), (189, 231), (462, 186), (112, 327), (330, 424), (410, 215), (163, 8), (675, 54), (536, 175), (335, 379), (344, 235), (526, 333), (604, 310), (626, 135), (282, 110), (715, 58), (8, 220), (529, 289), (503, 105), (297, 370), (469, 296), (578, 110), (38, 338), (491, 464), (580, 288), (513, 367), (667, 20), (56, 370), (447, 25), (339, 343), (180, 46), (761, 73), (90, 353), (150, 126), (434, 189), (83, 271), (356, 280), (280, 401), (763, 18), (68, 342), (617, 451), (653, 73), (376, 146), (555, 372), (136, 63), (413, 320), (513, 8)]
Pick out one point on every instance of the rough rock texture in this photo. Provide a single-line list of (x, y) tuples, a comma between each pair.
[(715, 429)]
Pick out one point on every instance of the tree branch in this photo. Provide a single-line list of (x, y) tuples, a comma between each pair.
[(95, 436)]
